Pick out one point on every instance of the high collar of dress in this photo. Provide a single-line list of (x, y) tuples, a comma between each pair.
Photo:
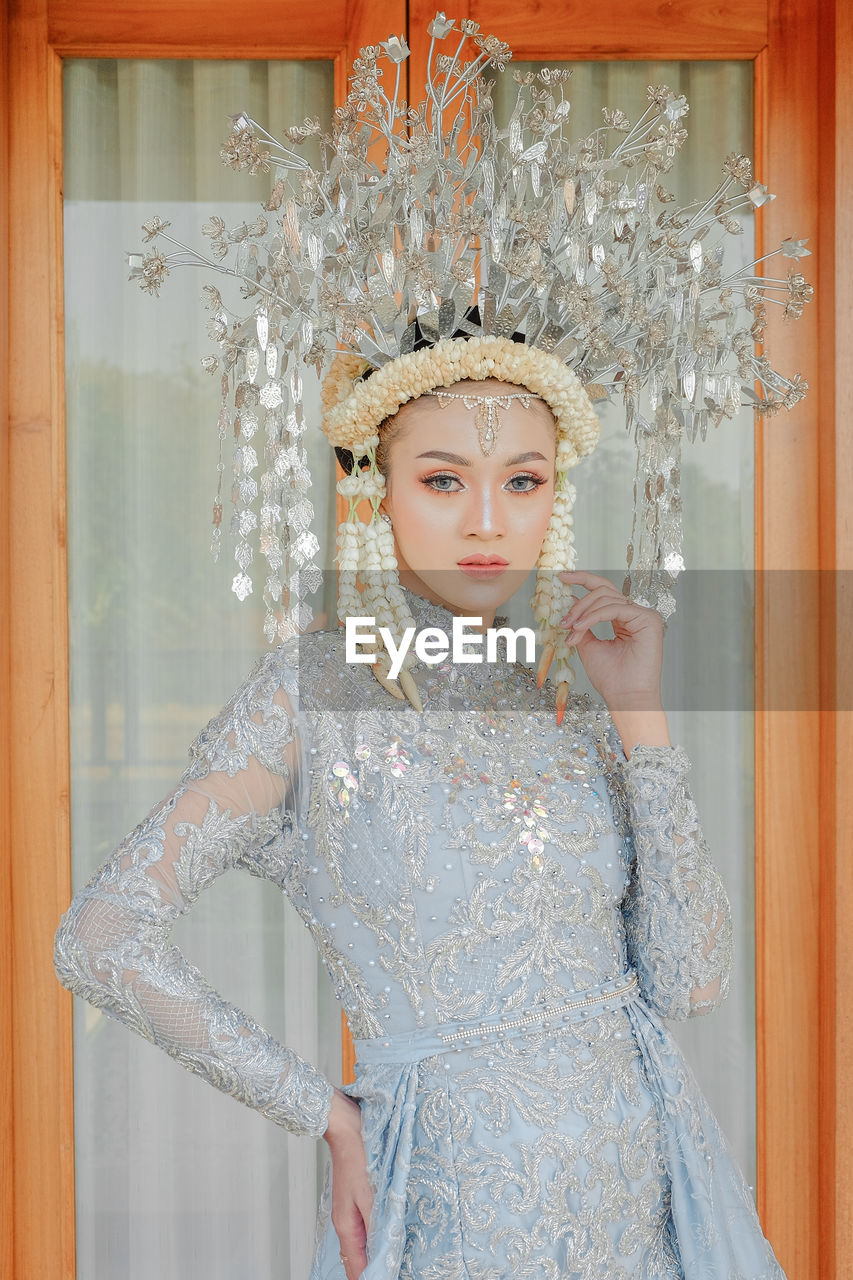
[(447, 677), (427, 614)]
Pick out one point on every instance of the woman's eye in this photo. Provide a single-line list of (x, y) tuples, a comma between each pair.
[(524, 483), (446, 482), (443, 483)]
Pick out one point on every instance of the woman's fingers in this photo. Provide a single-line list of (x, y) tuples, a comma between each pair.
[(593, 599), (364, 1200), (352, 1203), (588, 580), (630, 661), (351, 1230), (603, 603), (610, 611)]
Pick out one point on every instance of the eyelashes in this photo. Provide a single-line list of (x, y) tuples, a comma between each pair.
[(430, 482), (535, 482)]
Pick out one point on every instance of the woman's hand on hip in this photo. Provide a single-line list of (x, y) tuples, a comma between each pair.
[(626, 670), (352, 1194)]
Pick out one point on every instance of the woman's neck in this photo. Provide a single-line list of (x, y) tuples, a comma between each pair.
[(410, 580)]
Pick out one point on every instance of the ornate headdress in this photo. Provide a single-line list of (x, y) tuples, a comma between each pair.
[(430, 247)]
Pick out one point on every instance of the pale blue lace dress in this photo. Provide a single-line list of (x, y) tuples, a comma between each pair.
[(507, 911)]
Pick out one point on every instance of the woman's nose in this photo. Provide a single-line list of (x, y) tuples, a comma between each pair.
[(484, 514)]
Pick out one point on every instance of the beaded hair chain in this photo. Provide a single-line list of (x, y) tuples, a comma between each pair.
[(488, 420)]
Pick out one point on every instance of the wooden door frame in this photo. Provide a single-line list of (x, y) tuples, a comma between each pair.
[(804, 479)]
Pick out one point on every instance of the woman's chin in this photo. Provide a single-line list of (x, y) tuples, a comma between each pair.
[(474, 591)]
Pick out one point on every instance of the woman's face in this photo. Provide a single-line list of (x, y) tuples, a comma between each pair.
[(469, 527)]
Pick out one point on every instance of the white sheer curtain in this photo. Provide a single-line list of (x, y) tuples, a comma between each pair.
[(708, 663), (175, 1179)]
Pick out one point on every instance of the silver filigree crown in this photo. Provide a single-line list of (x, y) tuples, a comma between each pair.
[(429, 222)]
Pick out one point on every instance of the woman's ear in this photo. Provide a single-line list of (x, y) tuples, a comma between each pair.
[(386, 510)]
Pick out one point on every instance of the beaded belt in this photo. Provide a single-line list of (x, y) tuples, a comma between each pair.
[(424, 1042)]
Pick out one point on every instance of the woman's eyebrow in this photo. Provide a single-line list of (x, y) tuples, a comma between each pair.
[(459, 461), (447, 457), (533, 456)]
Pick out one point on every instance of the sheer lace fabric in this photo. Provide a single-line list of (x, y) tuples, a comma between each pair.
[(229, 809), (472, 873), (678, 922)]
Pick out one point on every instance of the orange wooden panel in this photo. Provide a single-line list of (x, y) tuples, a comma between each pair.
[(7, 1132), (37, 711), (789, 642), (188, 29), (624, 29), (835, 284), (348, 1052)]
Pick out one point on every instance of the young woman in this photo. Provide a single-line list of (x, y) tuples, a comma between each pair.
[(508, 902), (507, 906)]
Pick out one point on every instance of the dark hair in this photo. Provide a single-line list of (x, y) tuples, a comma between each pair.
[(471, 319)]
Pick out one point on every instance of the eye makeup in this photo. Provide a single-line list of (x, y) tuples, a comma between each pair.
[(535, 481)]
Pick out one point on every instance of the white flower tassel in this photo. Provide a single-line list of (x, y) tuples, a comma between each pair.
[(366, 552)]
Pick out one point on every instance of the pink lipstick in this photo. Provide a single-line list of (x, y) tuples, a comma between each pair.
[(483, 566)]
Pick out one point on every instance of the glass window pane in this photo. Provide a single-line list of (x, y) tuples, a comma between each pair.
[(714, 618), (173, 1177)]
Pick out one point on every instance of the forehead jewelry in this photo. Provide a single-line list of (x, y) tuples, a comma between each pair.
[(487, 421)]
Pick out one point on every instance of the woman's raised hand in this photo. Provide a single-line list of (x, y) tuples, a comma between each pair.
[(626, 670), (352, 1195)]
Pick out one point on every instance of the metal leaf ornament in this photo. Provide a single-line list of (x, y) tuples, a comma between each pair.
[(431, 218)]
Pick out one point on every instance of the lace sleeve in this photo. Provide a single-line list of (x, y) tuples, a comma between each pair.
[(676, 910), (234, 806)]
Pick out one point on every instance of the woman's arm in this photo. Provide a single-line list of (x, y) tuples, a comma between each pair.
[(233, 806), (645, 722), (677, 915)]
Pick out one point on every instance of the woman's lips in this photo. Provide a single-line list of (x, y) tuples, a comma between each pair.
[(483, 566)]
